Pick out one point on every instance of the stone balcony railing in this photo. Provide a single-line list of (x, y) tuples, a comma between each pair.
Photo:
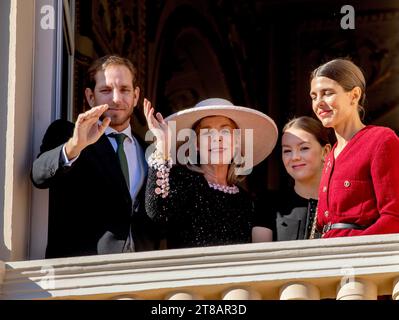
[(342, 268)]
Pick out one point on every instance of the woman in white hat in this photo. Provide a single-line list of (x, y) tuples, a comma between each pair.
[(199, 203)]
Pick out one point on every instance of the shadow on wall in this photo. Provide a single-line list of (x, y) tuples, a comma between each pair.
[(4, 45), (18, 285)]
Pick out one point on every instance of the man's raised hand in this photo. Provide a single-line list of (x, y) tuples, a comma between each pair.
[(87, 130)]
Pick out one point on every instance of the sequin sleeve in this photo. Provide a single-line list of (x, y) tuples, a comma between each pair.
[(168, 190)]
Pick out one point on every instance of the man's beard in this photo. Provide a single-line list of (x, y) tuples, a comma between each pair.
[(117, 120)]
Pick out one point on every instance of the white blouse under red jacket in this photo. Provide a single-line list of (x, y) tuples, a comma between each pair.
[(361, 186)]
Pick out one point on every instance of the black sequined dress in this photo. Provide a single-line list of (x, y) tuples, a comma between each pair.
[(194, 214)]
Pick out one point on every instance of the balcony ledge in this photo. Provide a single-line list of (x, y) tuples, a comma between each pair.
[(208, 271)]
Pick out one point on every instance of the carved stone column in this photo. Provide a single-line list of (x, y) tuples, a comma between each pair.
[(184, 295), (395, 291), (299, 291), (357, 289), (241, 294), (125, 297)]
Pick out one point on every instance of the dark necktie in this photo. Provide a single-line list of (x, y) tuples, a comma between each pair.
[(120, 137)]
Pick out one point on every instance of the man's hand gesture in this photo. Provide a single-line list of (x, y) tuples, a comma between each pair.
[(87, 130)]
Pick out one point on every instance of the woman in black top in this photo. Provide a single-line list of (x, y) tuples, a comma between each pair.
[(199, 204), (305, 143)]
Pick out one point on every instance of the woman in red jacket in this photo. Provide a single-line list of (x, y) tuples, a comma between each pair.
[(359, 188)]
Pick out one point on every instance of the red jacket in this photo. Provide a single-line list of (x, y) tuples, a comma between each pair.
[(361, 186)]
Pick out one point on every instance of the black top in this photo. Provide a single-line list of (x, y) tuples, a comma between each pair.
[(195, 214), (289, 215)]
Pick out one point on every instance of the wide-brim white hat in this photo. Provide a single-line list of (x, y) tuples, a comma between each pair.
[(265, 131)]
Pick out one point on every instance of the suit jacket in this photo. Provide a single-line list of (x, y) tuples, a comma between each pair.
[(88, 199), (361, 186)]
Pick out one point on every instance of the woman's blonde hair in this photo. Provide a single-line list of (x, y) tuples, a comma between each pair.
[(232, 177)]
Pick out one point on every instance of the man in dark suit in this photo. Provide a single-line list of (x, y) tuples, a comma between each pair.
[(96, 177)]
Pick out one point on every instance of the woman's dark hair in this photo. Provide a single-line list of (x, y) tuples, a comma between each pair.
[(346, 74)]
